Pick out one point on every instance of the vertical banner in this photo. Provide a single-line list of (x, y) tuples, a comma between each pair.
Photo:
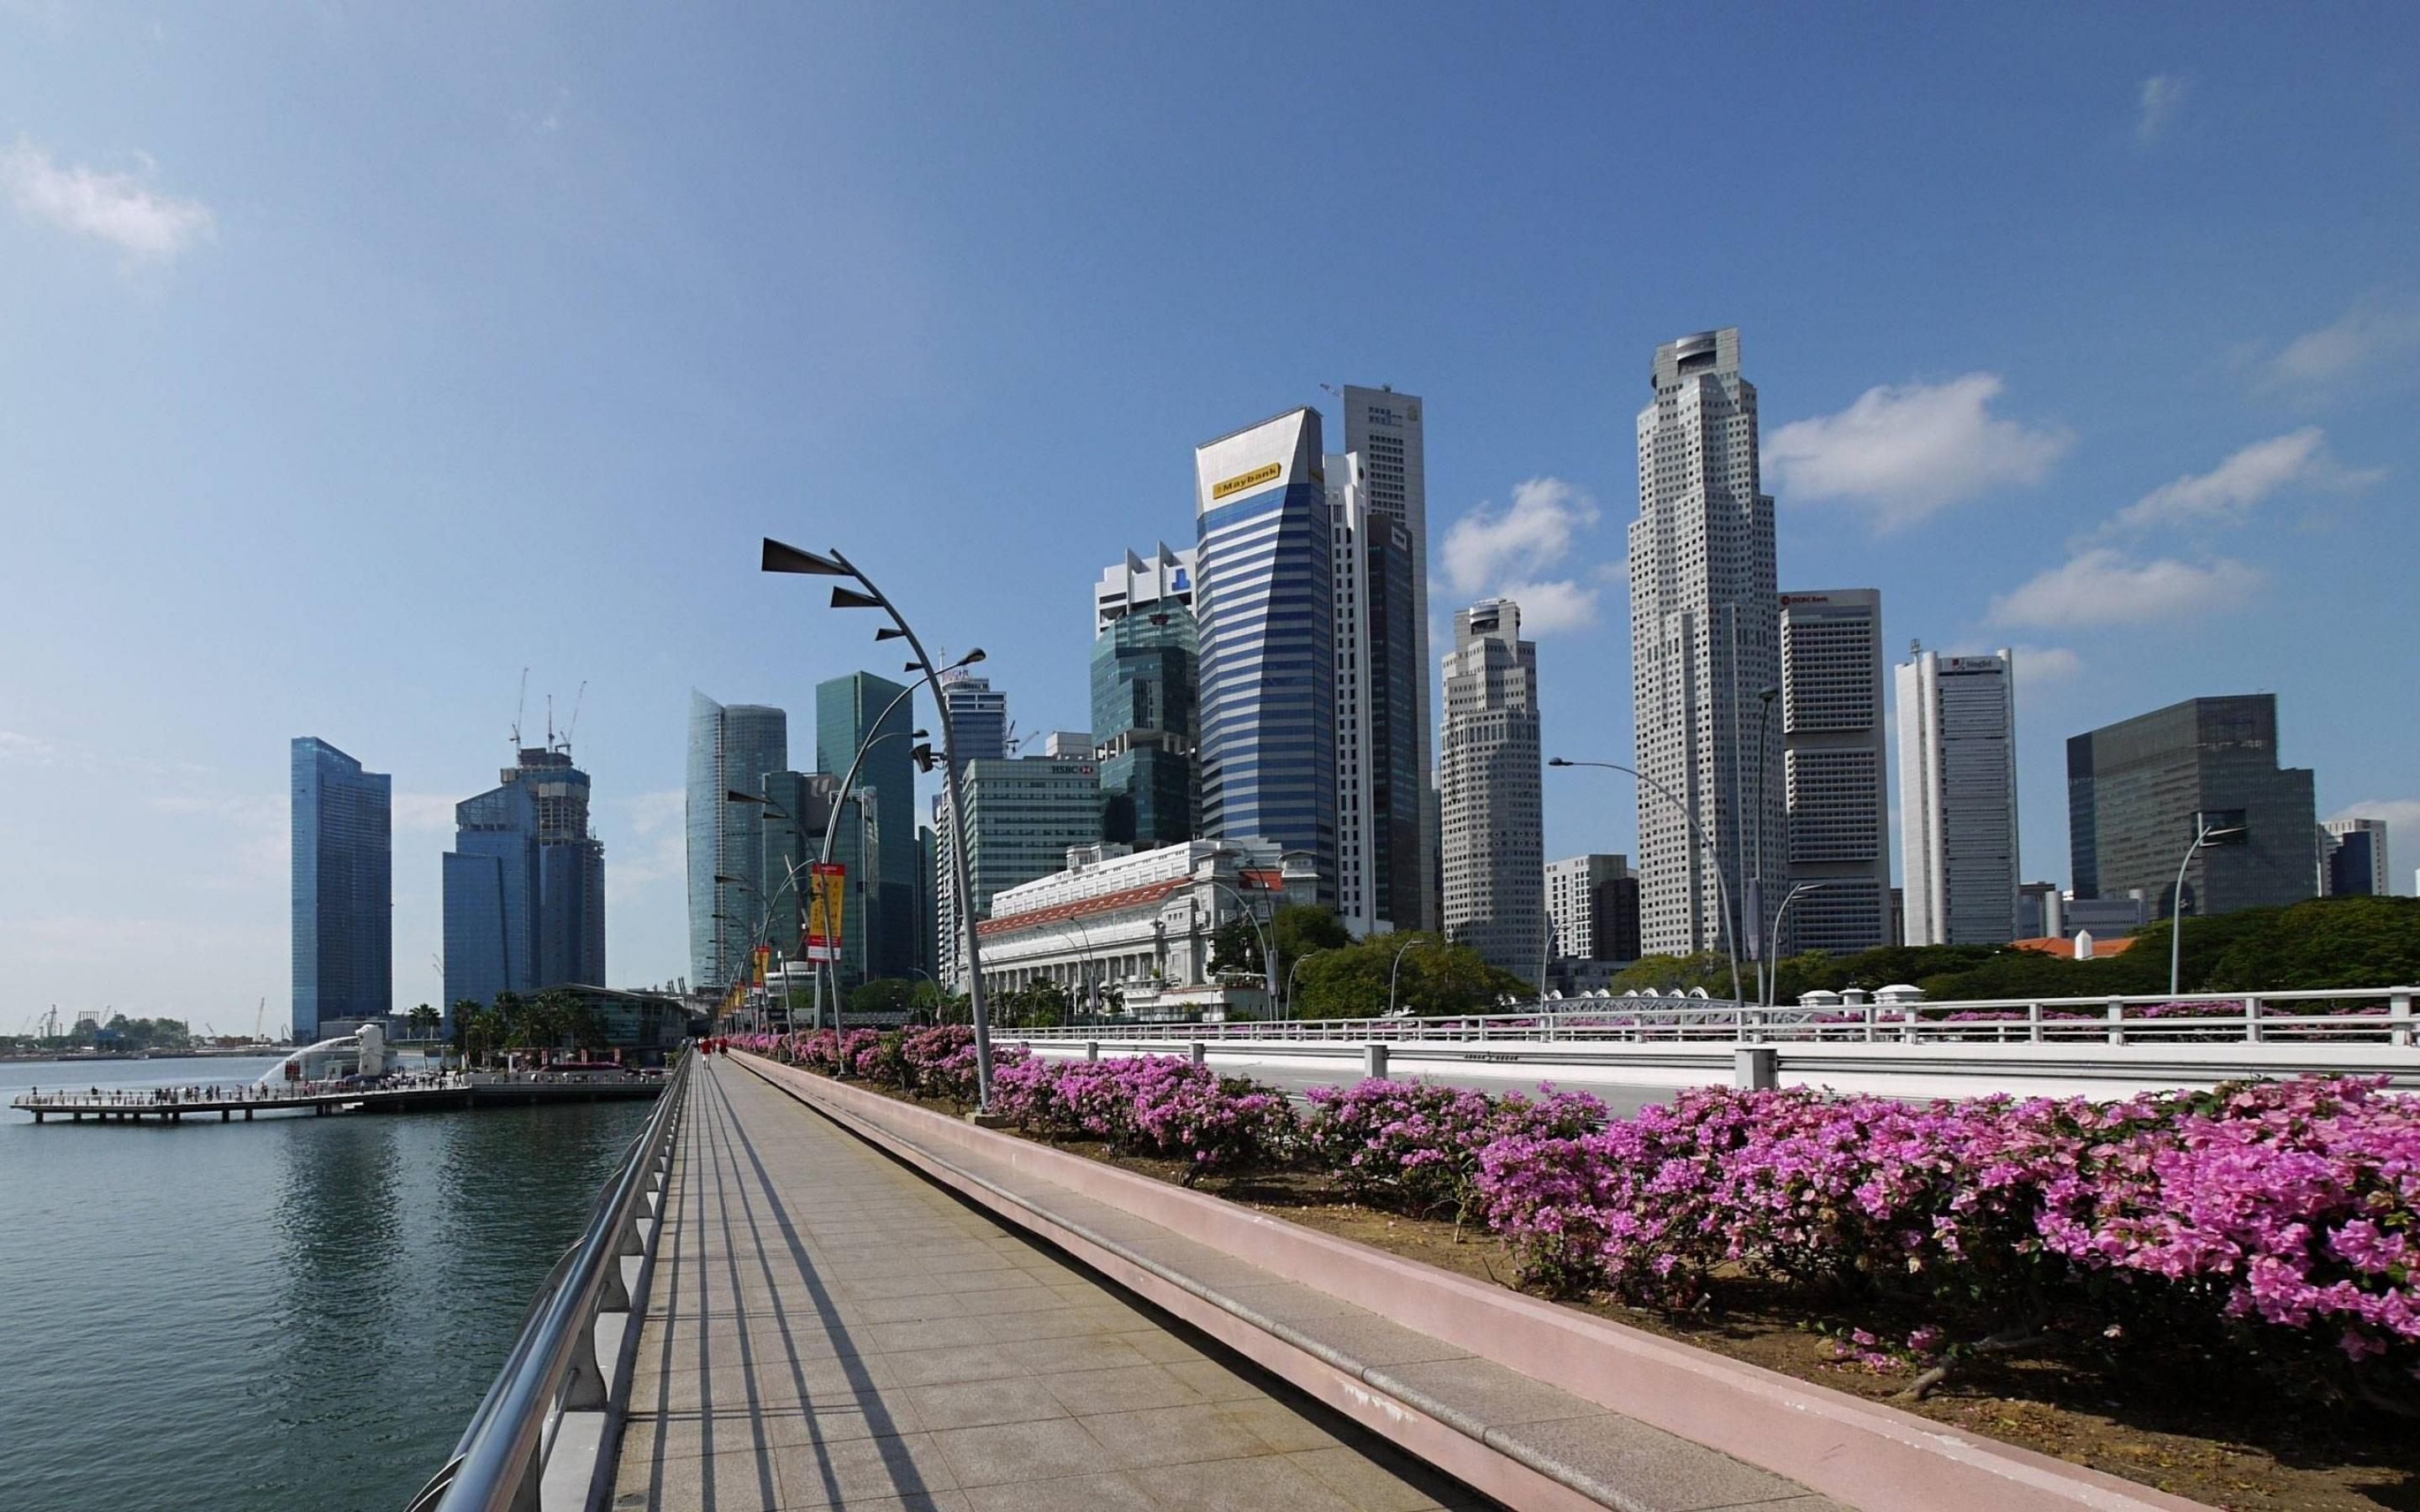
[(823, 911), (764, 963)]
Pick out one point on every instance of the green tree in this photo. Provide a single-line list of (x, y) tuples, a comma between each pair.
[(1296, 931), (883, 995), (424, 1020), (1435, 977), (1037, 1005)]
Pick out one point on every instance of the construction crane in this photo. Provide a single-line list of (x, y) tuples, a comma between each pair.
[(520, 703), (576, 700)]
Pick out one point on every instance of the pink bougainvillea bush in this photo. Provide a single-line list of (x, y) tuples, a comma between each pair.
[(2278, 1217), (1161, 1105), (1415, 1146)]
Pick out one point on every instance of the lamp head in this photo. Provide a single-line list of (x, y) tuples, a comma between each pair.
[(1557, 761), (782, 558)]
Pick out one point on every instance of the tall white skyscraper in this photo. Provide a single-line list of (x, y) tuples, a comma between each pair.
[(1494, 830), (1385, 430), (1958, 799), (1382, 868), (1704, 642), (1835, 777)]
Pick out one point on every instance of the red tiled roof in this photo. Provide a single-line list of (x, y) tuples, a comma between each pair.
[(1105, 902), (2065, 945)]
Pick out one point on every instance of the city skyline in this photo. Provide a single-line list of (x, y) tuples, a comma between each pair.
[(2134, 460)]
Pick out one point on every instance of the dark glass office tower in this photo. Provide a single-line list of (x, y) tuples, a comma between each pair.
[(343, 893), (524, 884), (2134, 788), (849, 715), (1145, 684), (730, 749)]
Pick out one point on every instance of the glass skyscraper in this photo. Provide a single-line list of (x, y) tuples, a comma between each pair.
[(1146, 681), (730, 748), (1265, 610), (343, 881), (524, 884), (847, 711)]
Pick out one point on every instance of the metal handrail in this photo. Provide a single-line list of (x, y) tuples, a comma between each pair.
[(2246, 1016), (552, 1366)]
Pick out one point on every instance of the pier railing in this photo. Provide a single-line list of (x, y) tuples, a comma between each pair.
[(543, 1422)]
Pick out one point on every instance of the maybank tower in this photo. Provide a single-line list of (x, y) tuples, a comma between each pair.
[(1264, 602)]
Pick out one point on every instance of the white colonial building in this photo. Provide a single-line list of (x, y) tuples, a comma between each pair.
[(1134, 931)]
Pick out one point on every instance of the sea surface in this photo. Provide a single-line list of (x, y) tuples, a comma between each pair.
[(295, 1313)]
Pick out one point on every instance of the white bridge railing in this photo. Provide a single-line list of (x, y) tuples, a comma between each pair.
[(2379, 1015)]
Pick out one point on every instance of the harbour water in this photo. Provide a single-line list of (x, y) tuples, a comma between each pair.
[(298, 1312)]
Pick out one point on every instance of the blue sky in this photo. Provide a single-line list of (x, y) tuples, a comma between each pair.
[(354, 357)]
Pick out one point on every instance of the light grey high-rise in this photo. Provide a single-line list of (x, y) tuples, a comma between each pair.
[(1385, 429), (1495, 828), (732, 749), (1958, 799), (1703, 641), (1381, 784), (1835, 777)]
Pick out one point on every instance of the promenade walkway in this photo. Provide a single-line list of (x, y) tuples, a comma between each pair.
[(825, 1328)]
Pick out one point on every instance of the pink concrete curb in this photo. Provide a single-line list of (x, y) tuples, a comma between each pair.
[(1862, 1453)]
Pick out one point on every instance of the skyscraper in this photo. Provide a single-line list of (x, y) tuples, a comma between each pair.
[(1264, 603), (847, 711), (524, 898), (343, 892), (1385, 429), (1958, 799), (1495, 835), (2352, 858), (1023, 815), (731, 750), (978, 716), (798, 810), (1703, 641), (1381, 787), (1592, 908), (1835, 777), (2136, 789), (1146, 691)]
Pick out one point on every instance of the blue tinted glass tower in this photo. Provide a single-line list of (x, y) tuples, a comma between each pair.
[(344, 879), (1264, 605), (524, 886), (847, 711), (731, 748), (1146, 694)]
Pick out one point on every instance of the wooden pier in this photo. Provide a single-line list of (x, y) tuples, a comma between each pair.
[(173, 1104)]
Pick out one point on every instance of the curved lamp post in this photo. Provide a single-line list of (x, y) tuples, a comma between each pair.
[(1398, 965), (2203, 835), (1731, 933), (1772, 981), (781, 558), (1269, 955), (1295, 966)]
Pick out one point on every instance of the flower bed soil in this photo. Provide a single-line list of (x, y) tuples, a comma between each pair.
[(2238, 1447)]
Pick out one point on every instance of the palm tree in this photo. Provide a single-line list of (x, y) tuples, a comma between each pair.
[(424, 1020)]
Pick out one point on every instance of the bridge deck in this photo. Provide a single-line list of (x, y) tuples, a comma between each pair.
[(827, 1329)]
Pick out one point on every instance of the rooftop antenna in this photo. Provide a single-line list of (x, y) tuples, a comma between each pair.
[(550, 721), (520, 702)]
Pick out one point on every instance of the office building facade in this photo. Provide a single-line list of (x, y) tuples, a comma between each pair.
[(343, 887), (1831, 891), (1703, 641), (1023, 815), (1146, 697), (524, 886), (978, 716), (1387, 431), (1381, 883), (1495, 835), (850, 715), (732, 748), (2352, 858), (1592, 908), (2134, 790), (1958, 799), (1264, 606)]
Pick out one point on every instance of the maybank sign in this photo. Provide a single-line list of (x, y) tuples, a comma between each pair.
[(1269, 473)]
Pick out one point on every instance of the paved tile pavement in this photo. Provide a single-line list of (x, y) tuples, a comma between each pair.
[(826, 1328)]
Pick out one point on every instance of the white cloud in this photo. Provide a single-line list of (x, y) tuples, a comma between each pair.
[(2157, 103), (2402, 815), (2045, 664), (116, 208), (2375, 329), (2229, 492), (1511, 555), (26, 747), (2102, 587), (1904, 452)]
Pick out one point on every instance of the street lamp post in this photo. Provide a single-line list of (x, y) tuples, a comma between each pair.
[(1731, 932), (781, 558), (1296, 965), (1268, 954), (832, 831), (1772, 987), (1398, 964), (1762, 945), (2203, 834)]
